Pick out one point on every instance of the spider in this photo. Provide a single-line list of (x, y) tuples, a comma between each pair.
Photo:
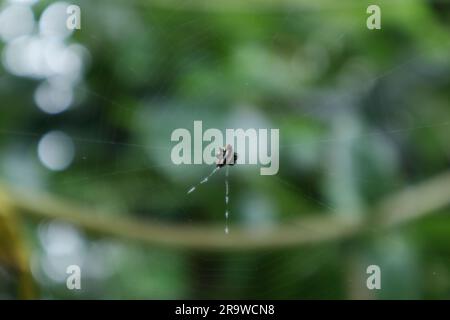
[(226, 156)]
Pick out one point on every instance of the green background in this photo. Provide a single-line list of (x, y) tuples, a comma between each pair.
[(363, 116)]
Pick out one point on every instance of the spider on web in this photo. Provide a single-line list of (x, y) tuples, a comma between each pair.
[(224, 157)]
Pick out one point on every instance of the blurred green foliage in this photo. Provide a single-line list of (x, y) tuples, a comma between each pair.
[(361, 114)]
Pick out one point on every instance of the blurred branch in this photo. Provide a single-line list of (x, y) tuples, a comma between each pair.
[(415, 202), (396, 209), (13, 252)]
